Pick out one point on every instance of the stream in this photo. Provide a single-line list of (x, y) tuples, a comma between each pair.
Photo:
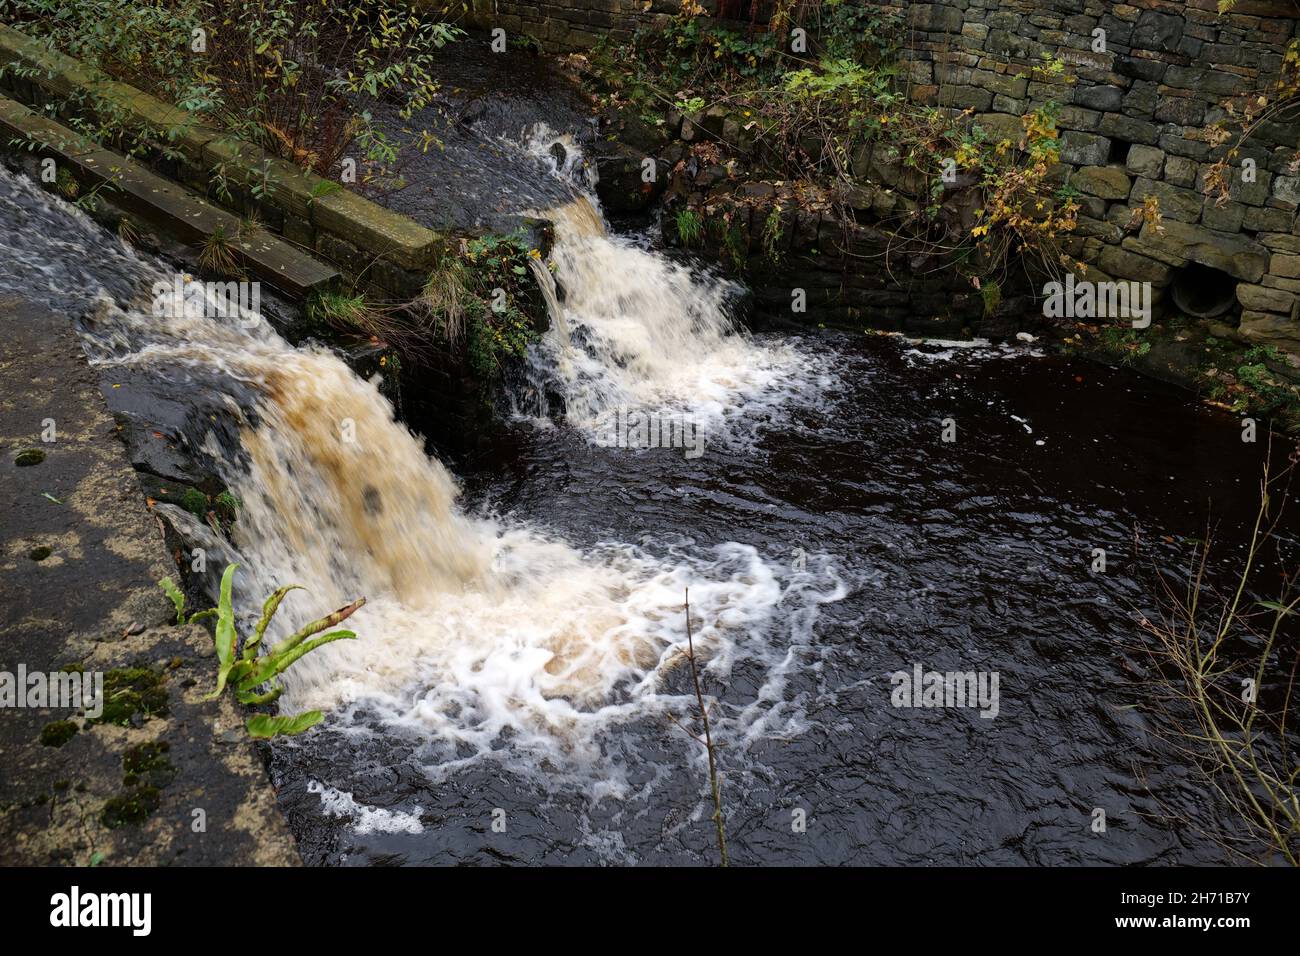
[(518, 691)]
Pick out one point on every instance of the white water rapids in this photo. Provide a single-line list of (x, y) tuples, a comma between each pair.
[(638, 330), (481, 637)]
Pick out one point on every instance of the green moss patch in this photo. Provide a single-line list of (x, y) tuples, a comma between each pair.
[(147, 764), (129, 691), (131, 808), (58, 733)]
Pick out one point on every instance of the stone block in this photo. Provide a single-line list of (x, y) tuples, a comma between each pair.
[(1084, 149), (1183, 205), (1145, 161), (1258, 298), (1177, 243), (1106, 182)]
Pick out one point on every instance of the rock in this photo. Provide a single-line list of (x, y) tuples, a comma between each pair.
[(1074, 117), (1108, 182), (1274, 282), (1228, 217), (965, 98), (1000, 126), (1130, 265), (1141, 98), (1257, 298), (1129, 129), (1262, 219), (1092, 228), (620, 183), (1281, 242), (1183, 205), (1180, 243), (1158, 31), (1180, 171), (1104, 98), (1182, 110), (1140, 68), (1084, 149), (1001, 83), (1276, 330), (933, 18), (1287, 189), (1145, 161), (1284, 265)]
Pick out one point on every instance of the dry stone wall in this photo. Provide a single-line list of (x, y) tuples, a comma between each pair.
[(1141, 88)]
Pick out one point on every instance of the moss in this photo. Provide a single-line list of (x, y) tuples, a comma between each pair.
[(58, 733), (147, 771), (129, 691), (227, 506), (28, 457), (195, 502), (131, 808), (40, 552), (147, 763)]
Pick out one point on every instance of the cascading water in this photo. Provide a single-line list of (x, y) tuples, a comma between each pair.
[(502, 666), (637, 330), (480, 636)]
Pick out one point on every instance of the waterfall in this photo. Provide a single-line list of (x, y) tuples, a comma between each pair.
[(637, 330), (480, 636)]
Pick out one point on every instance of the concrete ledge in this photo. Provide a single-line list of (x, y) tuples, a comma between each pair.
[(79, 570), (164, 204), (297, 205)]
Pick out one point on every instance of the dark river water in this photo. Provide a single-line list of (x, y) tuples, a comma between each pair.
[(969, 555)]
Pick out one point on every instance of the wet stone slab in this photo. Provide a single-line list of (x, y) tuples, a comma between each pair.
[(160, 776)]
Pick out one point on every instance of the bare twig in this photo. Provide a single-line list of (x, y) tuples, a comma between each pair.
[(708, 737), (1242, 745)]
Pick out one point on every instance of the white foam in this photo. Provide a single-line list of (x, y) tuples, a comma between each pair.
[(365, 819)]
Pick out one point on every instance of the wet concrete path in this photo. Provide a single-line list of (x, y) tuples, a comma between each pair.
[(160, 776)]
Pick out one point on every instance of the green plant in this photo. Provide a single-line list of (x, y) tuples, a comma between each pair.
[(248, 670), (195, 502), (323, 188), (690, 227), (217, 254), (526, 42), (446, 295), (292, 76), (733, 241), (1265, 391), (991, 295), (341, 310), (842, 116), (1123, 343), (772, 234), (498, 320), (228, 505)]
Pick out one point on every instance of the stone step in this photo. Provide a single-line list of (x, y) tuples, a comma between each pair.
[(166, 205)]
